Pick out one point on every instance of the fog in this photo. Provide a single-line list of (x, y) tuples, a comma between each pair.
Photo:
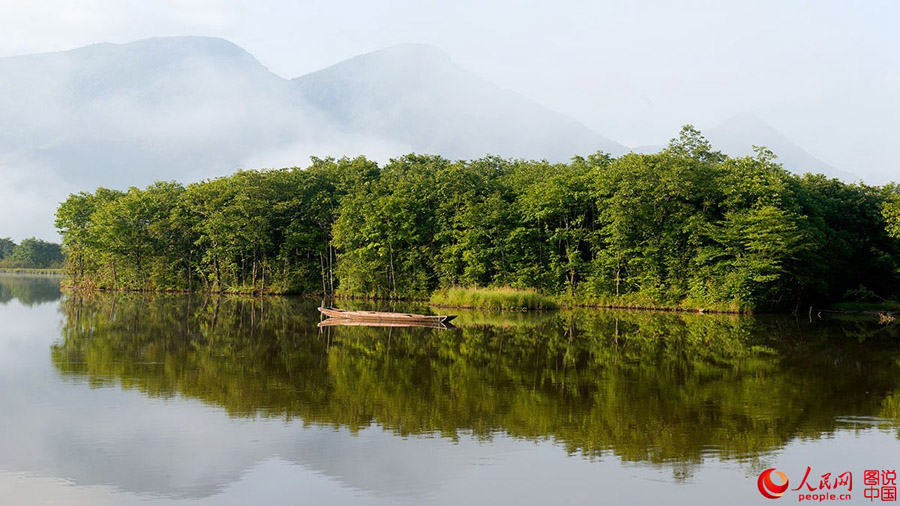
[(189, 108), (28, 196)]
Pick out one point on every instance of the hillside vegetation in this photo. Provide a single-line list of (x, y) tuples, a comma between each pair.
[(30, 254), (687, 226)]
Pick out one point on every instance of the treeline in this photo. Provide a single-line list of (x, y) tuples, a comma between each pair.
[(685, 226), (30, 254)]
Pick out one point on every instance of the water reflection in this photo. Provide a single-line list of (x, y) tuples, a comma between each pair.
[(29, 289), (646, 387)]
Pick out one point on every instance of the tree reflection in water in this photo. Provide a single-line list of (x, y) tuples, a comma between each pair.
[(646, 387), (29, 289)]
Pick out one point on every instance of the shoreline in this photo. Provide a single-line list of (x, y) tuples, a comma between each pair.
[(886, 311), (24, 270)]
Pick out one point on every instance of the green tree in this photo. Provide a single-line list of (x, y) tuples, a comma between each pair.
[(34, 253), (387, 230), (746, 249), (686, 226), (132, 230), (79, 235), (652, 209), (6, 247), (891, 211)]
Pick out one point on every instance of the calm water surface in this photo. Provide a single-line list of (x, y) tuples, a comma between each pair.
[(125, 399)]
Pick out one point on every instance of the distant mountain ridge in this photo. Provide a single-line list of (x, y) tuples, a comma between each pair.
[(123, 114), (737, 135), (128, 114), (398, 90), (187, 108)]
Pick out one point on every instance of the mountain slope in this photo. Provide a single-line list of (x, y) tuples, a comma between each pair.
[(738, 134), (415, 95), (157, 108), (187, 107)]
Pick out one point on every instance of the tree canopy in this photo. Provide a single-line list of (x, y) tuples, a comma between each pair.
[(30, 254), (685, 226)]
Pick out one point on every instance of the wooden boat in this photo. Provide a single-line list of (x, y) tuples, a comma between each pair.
[(378, 316), (347, 322)]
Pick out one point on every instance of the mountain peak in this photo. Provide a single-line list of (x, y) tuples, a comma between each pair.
[(416, 94)]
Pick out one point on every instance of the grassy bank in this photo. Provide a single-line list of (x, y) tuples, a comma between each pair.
[(503, 299), (22, 270), (637, 301), (506, 298)]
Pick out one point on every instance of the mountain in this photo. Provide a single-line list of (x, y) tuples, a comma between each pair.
[(737, 135), (186, 108), (128, 114), (191, 106), (415, 95)]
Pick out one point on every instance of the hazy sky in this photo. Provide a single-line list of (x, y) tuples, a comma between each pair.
[(826, 73)]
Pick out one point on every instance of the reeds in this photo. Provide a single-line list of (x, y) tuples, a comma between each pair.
[(25, 270), (499, 298)]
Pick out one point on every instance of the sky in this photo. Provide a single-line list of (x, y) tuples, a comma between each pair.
[(825, 73)]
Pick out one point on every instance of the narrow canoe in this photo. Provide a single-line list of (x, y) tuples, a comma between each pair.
[(341, 322), (332, 312)]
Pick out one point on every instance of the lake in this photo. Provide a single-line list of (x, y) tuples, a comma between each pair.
[(173, 400)]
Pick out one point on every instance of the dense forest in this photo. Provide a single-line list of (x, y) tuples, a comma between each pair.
[(686, 226), (30, 254)]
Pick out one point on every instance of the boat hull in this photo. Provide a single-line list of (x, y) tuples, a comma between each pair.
[(378, 316), (347, 322)]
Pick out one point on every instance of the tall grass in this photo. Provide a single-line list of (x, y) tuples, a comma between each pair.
[(638, 301), (506, 298), (501, 298), (26, 270)]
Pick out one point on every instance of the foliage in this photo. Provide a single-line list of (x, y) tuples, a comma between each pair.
[(6, 247), (891, 210), (687, 227), (503, 298), (30, 254)]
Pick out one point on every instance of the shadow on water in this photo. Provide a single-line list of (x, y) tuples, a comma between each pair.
[(646, 387), (29, 289)]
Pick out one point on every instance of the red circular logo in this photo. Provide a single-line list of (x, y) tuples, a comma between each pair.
[(768, 488)]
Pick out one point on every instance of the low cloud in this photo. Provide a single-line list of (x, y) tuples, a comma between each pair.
[(298, 154), (29, 195)]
